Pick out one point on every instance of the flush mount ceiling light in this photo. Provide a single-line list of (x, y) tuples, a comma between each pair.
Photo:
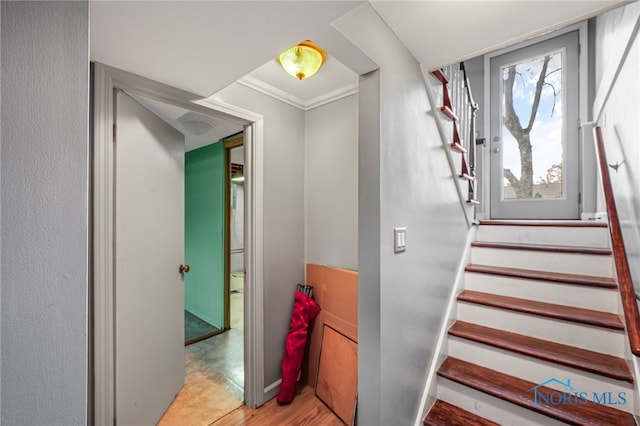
[(302, 60), (196, 124)]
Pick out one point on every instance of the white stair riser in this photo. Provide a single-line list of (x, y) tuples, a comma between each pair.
[(546, 235), (569, 263), (538, 371), (599, 299), (489, 407), (569, 333)]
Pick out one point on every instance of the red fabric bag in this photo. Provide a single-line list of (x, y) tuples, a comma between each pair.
[(305, 309)]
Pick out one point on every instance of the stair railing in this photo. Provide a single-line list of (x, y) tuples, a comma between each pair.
[(460, 108), (625, 282)]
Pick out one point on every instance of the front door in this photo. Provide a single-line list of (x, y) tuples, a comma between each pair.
[(534, 138), (149, 249)]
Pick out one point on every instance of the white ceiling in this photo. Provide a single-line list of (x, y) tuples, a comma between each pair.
[(440, 33), (213, 129), (204, 46)]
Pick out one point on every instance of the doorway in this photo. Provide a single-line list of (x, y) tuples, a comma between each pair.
[(534, 131), (234, 232), (205, 235), (107, 82)]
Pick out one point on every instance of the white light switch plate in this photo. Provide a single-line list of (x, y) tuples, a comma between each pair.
[(399, 240)]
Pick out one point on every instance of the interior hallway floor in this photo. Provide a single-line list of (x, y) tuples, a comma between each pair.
[(213, 392), (214, 381), (214, 370)]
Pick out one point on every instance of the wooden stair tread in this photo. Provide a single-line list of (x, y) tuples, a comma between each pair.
[(520, 392), (558, 277), (582, 359), (448, 112), (458, 148), (560, 223), (466, 176), (550, 310), (441, 76), (543, 247), (444, 414)]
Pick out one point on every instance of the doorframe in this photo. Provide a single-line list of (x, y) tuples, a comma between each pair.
[(587, 164), (229, 143), (105, 80)]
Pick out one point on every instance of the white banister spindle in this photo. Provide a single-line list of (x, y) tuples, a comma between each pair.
[(464, 108)]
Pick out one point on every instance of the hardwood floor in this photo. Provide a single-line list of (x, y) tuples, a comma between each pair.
[(214, 379), (213, 392), (306, 409)]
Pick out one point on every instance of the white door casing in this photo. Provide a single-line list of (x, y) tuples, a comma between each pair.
[(104, 307), (149, 248)]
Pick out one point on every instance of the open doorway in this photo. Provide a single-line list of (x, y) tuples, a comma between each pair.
[(234, 232), (108, 368), (214, 263)]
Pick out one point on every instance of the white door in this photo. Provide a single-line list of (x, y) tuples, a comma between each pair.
[(534, 139), (149, 249)]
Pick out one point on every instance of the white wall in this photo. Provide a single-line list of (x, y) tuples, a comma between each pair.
[(331, 184), (404, 180), (284, 135), (44, 162), (619, 119), (237, 228)]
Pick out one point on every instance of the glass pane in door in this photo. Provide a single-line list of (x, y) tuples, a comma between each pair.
[(532, 128)]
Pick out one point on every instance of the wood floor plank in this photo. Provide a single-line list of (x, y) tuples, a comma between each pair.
[(549, 310), (570, 356), (519, 392), (305, 409)]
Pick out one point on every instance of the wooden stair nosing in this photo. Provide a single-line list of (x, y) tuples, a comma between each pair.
[(466, 176), (441, 76), (556, 277), (458, 148), (444, 414), (549, 310), (559, 223), (544, 247), (446, 110), (569, 356), (520, 392)]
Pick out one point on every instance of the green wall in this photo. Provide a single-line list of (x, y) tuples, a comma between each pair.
[(204, 232)]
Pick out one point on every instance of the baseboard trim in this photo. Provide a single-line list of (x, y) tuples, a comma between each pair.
[(272, 390)]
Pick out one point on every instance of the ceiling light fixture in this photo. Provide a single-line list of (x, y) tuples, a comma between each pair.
[(196, 124), (302, 60)]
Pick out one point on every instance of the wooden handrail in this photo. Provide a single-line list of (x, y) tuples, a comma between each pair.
[(625, 283)]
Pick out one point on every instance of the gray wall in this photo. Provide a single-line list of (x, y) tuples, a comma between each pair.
[(283, 225), (402, 298), (331, 184), (45, 60), (619, 121)]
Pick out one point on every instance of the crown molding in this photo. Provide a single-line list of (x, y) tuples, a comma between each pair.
[(288, 98)]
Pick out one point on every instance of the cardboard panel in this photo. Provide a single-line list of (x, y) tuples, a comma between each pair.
[(337, 382), (336, 291)]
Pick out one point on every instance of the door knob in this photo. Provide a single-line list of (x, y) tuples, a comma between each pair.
[(496, 150), (184, 268)]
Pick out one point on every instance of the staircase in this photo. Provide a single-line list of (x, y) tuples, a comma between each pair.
[(537, 336), (459, 108)]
